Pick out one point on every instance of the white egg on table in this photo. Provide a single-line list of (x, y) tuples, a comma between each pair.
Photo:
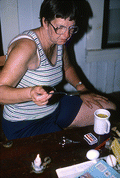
[(111, 160), (92, 154)]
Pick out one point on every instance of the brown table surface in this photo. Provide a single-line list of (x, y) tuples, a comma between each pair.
[(16, 160)]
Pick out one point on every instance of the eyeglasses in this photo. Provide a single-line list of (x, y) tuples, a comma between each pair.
[(62, 29)]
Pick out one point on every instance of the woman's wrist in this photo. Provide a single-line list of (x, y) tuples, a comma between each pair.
[(79, 83), (29, 93), (81, 87)]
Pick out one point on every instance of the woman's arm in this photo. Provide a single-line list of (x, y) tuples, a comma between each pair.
[(22, 56), (71, 76), (70, 73)]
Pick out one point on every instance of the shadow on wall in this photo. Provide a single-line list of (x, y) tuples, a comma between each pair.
[(85, 13)]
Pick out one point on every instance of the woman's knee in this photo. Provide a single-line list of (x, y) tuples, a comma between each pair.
[(109, 105)]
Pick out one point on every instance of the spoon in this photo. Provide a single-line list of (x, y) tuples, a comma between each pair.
[(73, 93), (65, 93)]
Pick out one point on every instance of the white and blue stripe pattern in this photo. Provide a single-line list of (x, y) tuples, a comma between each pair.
[(46, 74)]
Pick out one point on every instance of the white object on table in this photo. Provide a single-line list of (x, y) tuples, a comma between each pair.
[(93, 155), (101, 124), (37, 165), (37, 161), (111, 160), (74, 170)]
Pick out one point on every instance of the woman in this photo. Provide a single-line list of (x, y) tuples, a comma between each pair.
[(37, 58)]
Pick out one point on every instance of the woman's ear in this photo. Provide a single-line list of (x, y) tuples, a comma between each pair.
[(45, 23)]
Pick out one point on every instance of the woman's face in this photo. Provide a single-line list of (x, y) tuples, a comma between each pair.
[(59, 23)]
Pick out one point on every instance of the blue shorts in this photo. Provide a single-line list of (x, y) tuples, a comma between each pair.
[(61, 118)]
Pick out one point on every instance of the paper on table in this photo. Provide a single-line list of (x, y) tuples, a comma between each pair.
[(74, 170)]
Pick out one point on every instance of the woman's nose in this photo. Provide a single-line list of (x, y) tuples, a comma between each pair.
[(67, 34)]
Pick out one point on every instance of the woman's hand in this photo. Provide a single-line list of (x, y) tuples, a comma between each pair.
[(93, 98), (39, 95)]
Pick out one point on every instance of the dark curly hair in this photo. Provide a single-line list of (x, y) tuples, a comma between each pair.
[(51, 9)]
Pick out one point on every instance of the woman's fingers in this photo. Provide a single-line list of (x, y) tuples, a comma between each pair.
[(91, 99), (39, 95), (101, 98)]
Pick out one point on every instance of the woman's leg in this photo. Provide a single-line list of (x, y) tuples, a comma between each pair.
[(85, 115)]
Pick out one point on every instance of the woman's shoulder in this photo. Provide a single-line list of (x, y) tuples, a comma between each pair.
[(22, 42)]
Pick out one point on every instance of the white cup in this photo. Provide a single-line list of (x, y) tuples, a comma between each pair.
[(101, 123)]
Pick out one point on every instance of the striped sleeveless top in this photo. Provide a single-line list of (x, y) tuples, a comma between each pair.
[(46, 74)]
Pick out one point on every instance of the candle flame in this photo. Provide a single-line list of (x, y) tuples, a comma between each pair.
[(38, 156)]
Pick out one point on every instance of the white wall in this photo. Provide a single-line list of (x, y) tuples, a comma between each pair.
[(20, 15), (9, 21), (28, 14), (94, 39)]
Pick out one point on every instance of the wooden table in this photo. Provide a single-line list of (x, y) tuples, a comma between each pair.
[(16, 160)]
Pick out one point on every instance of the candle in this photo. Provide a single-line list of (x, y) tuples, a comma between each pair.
[(38, 166), (37, 161)]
